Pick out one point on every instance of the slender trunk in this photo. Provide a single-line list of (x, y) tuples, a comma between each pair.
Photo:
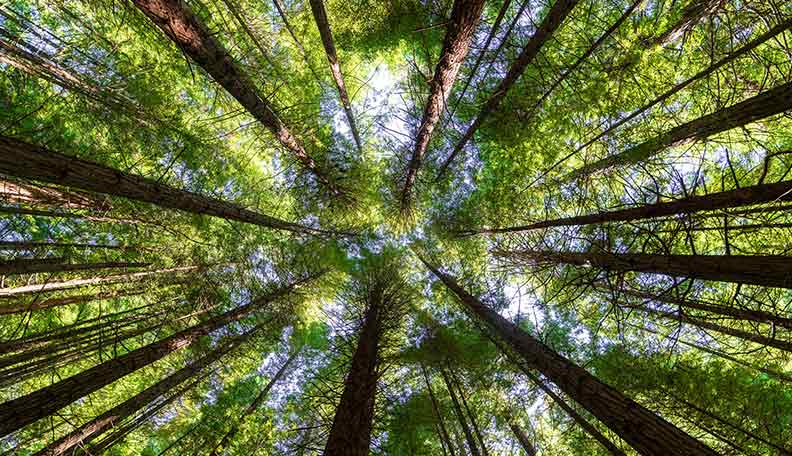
[(38, 163), (33, 245), (551, 22), (694, 12), (465, 16), (178, 23), (251, 409), (471, 416), (75, 283), (109, 419), (436, 407), (282, 14), (648, 433), (57, 264), (746, 196), (18, 413), (320, 16), (765, 270), (765, 104), (240, 19), (443, 442), (471, 442), (350, 434), (749, 227), (525, 442), (69, 215), (24, 193)]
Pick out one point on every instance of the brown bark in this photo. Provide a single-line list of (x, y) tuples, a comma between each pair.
[(765, 104), (471, 442), (69, 215), (694, 12), (445, 439), (178, 23), (57, 264), (465, 16), (525, 442), (470, 414), (109, 419), (251, 409), (18, 413), (320, 16), (746, 196), (550, 24), (38, 163), (765, 270), (33, 245), (24, 193), (350, 434), (648, 433)]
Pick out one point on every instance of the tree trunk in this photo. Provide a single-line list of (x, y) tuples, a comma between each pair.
[(469, 413), (69, 215), (251, 409), (350, 434), (694, 12), (525, 442), (109, 419), (643, 430), (178, 23), (38, 163), (551, 22), (471, 442), (18, 413), (465, 16), (24, 193), (445, 438), (57, 264), (282, 14), (764, 270), (768, 103), (32, 245), (320, 16), (756, 194)]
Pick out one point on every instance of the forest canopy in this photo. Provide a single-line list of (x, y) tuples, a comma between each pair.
[(402, 227)]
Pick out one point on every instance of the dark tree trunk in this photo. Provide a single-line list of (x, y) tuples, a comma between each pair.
[(109, 419), (32, 245), (57, 264), (768, 103), (25, 193), (465, 16), (525, 442), (350, 434), (643, 430), (69, 215), (444, 437), (551, 22), (764, 270), (69, 300), (179, 24), (251, 409), (18, 413), (471, 442), (694, 12), (470, 415), (38, 163), (320, 16)]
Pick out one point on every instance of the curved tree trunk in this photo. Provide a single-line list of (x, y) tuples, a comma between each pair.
[(648, 433)]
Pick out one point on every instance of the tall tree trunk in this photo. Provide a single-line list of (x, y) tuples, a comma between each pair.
[(764, 270), (69, 215), (465, 16), (436, 408), (75, 283), (648, 433), (251, 409), (525, 442), (694, 12), (287, 24), (350, 434), (320, 16), (18, 413), (765, 104), (178, 23), (24, 193), (33, 245), (38, 163), (746, 196), (57, 264), (471, 442), (470, 415), (95, 427), (549, 25)]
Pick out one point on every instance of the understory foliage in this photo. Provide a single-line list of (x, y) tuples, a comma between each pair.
[(244, 227)]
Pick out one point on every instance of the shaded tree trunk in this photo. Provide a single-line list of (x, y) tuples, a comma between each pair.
[(445, 438), (285, 19), (38, 163), (57, 264), (24, 193), (764, 270), (756, 194), (18, 413), (320, 16), (648, 433), (525, 442), (69, 215), (765, 104), (178, 23), (549, 25), (471, 442), (694, 12), (470, 415), (32, 245), (465, 16)]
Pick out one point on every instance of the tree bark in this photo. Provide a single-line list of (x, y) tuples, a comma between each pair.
[(746, 196), (18, 413), (285, 19), (38, 163), (178, 23), (320, 16), (57, 264), (764, 270), (69, 215), (471, 442), (32, 245), (436, 407), (465, 16), (765, 104), (260, 398), (549, 25), (24, 193), (694, 12), (470, 415), (643, 430), (525, 442)]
